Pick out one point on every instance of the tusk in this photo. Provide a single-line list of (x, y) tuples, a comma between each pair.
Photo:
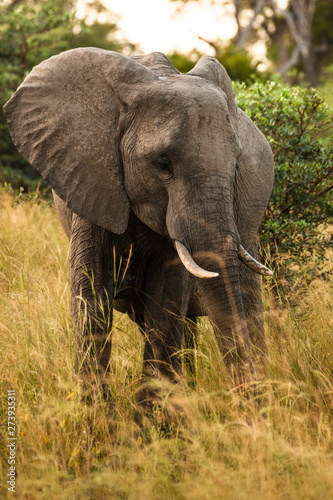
[(189, 263), (252, 264)]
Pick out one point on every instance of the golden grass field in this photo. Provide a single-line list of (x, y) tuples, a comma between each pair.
[(226, 447)]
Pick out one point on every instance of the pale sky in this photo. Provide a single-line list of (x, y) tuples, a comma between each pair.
[(153, 25)]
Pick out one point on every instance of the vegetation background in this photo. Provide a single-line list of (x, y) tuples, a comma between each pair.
[(226, 447)]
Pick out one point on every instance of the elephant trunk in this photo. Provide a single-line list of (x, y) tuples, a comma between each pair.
[(223, 303), (208, 245)]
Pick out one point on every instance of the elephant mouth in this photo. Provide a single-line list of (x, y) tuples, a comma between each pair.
[(199, 272)]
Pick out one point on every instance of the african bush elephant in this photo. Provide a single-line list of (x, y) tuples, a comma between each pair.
[(159, 176)]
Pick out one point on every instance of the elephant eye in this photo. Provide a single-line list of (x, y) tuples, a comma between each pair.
[(163, 165)]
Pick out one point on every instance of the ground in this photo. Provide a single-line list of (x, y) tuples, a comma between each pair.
[(223, 446)]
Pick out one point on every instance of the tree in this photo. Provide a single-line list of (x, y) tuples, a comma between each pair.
[(322, 33), (298, 17), (237, 62), (103, 35), (293, 120), (292, 32), (30, 32)]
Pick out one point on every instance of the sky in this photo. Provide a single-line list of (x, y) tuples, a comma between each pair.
[(154, 25)]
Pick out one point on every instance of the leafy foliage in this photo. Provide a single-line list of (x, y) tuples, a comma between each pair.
[(293, 120), (322, 34), (285, 28), (101, 35), (29, 34), (104, 35), (185, 62), (237, 62)]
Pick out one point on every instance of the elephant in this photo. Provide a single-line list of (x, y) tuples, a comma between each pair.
[(161, 183)]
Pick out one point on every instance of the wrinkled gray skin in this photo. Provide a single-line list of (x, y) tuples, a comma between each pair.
[(139, 156)]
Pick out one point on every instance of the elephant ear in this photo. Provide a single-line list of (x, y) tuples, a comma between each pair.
[(64, 119), (209, 68)]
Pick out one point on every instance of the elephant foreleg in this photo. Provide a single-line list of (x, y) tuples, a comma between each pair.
[(166, 301), (190, 345), (163, 333), (92, 298)]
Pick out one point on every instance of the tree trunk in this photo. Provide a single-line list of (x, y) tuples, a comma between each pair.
[(209, 233), (303, 20), (244, 33), (299, 22)]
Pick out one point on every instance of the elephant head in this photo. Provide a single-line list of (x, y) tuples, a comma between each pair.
[(110, 133)]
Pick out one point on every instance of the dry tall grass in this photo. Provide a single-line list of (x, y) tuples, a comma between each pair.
[(226, 448)]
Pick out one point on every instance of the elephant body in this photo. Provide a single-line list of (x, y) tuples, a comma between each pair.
[(156, 175)]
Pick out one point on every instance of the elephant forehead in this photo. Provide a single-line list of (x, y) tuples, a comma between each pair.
[(173, 107), (191, 96)]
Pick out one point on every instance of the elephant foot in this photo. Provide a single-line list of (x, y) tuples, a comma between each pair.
[(189, 367), (94, 393), (162, 404), (248, 387)]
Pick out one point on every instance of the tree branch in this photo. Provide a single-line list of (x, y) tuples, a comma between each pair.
[(212, 44), (14, 3), (245, 33), (299, 21), (291, 25), (290, 63)]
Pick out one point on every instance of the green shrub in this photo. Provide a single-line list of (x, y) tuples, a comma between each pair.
[(237, 62), (293, 120), (28, 36)]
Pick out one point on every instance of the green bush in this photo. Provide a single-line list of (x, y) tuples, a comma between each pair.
[(237, 62), (31, 32), (28, 36), (293, 120)]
